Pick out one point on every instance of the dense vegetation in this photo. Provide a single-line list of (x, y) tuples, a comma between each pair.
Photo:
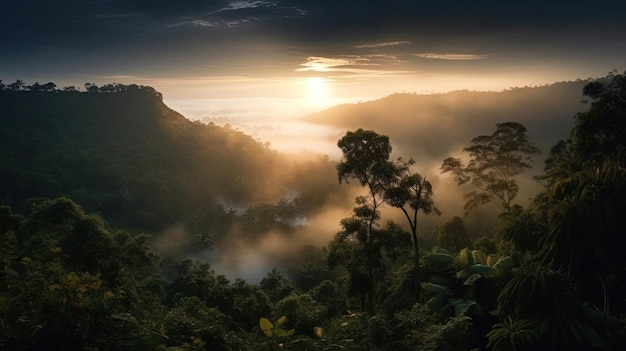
[(118, 150), (551, 279)]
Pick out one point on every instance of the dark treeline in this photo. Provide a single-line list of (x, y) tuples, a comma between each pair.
[(552, 278), (20, 85)]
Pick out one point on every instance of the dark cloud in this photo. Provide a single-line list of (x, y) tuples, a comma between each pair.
[(124, 37), (71, 20)]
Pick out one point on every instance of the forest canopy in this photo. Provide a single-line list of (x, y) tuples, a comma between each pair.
[(85, 176)]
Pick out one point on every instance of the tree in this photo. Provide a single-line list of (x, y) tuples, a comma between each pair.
[(49, 87), (522, 228), (453, 235), (600, 132), (495, 160), (584, 196), (17, 85), (366, 159), (538, 310), (395, 183), (411, 193), (585, 228)]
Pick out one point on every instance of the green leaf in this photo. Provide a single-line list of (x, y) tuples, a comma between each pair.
[(280, 322), (435, 288), (503, 264), (266, 326), (478, 257), (437, 302), (462, 306), (441, 257), (482, 269), (472, 279)]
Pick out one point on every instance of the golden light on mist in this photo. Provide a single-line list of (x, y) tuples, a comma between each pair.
[(318, 90)]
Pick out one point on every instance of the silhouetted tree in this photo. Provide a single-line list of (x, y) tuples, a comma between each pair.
[(17, 85), (366, 159), (495, 160), (522, 228), (411, 192), (49, 87), (453, 236), (91, 87), (584, 197), (600, 132)]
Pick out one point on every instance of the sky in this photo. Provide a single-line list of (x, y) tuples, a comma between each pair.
[(262, 61), (300, 55)]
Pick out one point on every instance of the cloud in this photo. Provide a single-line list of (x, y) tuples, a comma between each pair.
[(239, 13), (378, 45), (242, 5), (324, 64), (345, 64), (201, 80), (454, 57), (216, 23), (120, 15)]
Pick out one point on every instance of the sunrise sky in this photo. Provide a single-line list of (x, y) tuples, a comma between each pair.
[(296, 55)]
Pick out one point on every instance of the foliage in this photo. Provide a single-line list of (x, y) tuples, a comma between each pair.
[(600, 132), (453, 335), (545, 300), (303, 313), (583, 200), (495, 160), (413, 190), (70, 281), (522, 229), (366, 158), (274, 329), (512, 335), (453, 236), (120, 151)]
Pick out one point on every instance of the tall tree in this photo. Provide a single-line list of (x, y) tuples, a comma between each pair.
[(600, 132), (411, 193), (579, 224), (495, 161), (584, 196), (366, 159), (366, 155)]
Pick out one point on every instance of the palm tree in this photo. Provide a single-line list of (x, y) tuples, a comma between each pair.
[(586, 225), (521, 227)]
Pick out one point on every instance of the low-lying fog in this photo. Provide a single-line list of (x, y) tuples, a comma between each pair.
[(426, 128), (273, 120)]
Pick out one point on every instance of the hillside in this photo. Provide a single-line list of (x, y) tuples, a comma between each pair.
[(122, 152), (125, 154), (432, 127)]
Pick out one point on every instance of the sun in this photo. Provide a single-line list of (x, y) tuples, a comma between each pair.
[(318, 90)]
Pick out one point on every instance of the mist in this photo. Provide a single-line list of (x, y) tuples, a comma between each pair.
[(427, 128)]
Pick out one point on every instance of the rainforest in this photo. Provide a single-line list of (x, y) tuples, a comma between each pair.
[(126, 226)]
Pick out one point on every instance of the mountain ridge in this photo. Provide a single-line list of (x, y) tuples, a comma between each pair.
[(127, 155), (440, 124)]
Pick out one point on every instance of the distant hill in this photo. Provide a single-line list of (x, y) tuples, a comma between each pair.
[(121, 151), (124, 153), (432, 127)]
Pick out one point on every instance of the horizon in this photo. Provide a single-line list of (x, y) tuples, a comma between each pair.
[(316, 53), (279, 122)]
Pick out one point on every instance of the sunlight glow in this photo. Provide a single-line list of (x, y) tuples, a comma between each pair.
[(318, 90)]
